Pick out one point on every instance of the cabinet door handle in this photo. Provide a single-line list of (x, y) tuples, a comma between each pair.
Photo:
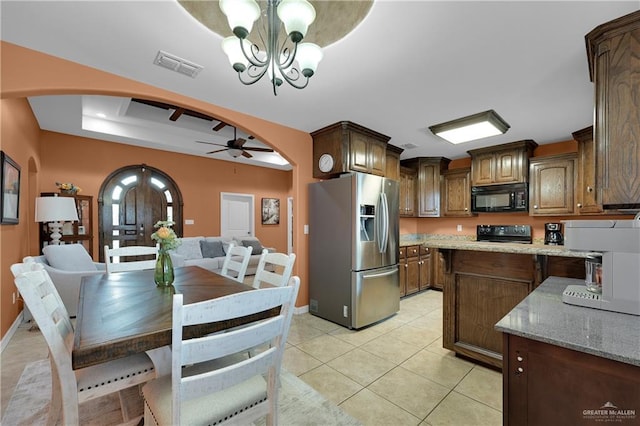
[(535, 206), (519, 370), (579, 205), (519, 358), (589, 189)]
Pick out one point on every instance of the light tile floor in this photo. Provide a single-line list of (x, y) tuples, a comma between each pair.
[(395, 372), (392, 373)]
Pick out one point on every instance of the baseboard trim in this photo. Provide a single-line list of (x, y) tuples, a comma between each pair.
[(12, 330)]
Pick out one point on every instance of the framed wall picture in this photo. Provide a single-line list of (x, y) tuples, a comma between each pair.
[(270, 211), (10, 195)]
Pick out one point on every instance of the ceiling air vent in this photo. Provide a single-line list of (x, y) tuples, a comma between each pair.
[(174, 63), (409, 146)]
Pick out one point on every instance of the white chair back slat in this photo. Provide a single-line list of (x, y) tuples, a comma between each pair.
[(281, 263), (236, 262), (130, 251)]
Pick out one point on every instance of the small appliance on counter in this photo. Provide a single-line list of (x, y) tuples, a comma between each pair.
[(612, 275), (553, 234), (504, 233)]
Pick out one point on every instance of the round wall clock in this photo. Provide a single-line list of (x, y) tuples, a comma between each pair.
[(325, 163)]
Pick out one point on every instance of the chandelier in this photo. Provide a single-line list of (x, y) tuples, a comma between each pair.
[(282, 60)]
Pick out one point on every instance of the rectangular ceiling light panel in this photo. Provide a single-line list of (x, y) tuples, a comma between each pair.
[(473, 127)]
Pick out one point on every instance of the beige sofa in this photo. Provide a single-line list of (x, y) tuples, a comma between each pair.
[(209, 252)]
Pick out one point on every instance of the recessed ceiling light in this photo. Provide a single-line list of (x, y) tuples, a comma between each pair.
[(101, 115), (473, 127)]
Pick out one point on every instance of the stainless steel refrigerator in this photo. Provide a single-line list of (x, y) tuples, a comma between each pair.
[(353, 249)]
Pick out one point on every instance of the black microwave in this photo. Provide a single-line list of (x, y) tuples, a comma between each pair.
[(512, 197)]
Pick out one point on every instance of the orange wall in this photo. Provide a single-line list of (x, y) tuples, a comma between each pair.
[(19, 133), (201, 180), (27, 73)]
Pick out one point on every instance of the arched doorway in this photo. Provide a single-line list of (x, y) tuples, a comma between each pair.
[(131, 200)]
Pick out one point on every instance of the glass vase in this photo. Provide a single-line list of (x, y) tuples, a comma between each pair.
[(163, 276)]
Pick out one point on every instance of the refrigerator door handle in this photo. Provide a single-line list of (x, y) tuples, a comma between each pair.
[(381, 274), (383, 223)]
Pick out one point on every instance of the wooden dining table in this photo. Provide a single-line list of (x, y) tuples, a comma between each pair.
[(125, 313)]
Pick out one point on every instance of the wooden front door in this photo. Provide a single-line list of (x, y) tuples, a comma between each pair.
[(131, 201)]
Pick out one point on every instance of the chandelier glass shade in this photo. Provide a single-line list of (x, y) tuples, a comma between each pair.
[(282, 60)]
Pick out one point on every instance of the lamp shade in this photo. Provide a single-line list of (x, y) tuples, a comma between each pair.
[(308, 56), (233, 50), (240, 14), (55, 209), (296, 15)]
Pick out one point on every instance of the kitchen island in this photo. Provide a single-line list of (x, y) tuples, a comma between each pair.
[(483, 281), (566, 364)]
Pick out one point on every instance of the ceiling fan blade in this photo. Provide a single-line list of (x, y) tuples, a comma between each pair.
[(251, 148), (219, 126), (246, 154), (219, 150), (177, 113), (211, 143), (239, 142)]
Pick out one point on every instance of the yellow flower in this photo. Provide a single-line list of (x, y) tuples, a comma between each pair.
[(163, 233)]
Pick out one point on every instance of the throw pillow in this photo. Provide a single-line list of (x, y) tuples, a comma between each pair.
[(190, 248), (211, 248), (256, 246), (69, 257)]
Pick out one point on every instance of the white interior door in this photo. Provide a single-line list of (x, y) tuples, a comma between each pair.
[(237, 217)]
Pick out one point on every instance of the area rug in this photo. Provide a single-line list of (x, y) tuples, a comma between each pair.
[(299, 404)]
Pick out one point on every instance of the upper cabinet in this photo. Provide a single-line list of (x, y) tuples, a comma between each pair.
[(456, 192), (613, 49), (429, 171), (507, 163), (348, 147), (393, 162), (408, 178), (588, 195), (551, 189)]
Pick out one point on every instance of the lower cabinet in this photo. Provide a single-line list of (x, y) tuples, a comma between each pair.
[(415, 269), (544, 384), (480, 289)]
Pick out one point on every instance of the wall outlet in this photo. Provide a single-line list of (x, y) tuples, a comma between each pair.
[(345, 311), (459, 228), (189, 221), (14, 297), (306, 229)]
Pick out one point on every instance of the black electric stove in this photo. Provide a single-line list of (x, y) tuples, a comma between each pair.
[(504, 233)]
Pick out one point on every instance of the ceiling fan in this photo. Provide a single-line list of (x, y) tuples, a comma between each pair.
[(236, 147)]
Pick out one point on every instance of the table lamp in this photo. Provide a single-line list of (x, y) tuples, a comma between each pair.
[(55, 210)]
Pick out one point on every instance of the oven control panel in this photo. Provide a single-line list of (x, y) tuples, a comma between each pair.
[(504, 233)]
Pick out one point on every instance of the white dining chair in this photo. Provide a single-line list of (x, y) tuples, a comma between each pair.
[(236, 262), (274, 269), (73, 387), (117, 265), (210, 382)]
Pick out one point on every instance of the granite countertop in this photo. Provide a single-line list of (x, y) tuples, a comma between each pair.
[(465, 243), (542, 316)]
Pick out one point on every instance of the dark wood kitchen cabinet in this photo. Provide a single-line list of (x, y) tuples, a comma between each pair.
[(429, 170), (479, 289), (425, 268), (588, 194), (393, 162), (412, 284), (499, 164), (551, 186), (456, 192), (408, 181), (544, 384), (612, 51), (352, 148)]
